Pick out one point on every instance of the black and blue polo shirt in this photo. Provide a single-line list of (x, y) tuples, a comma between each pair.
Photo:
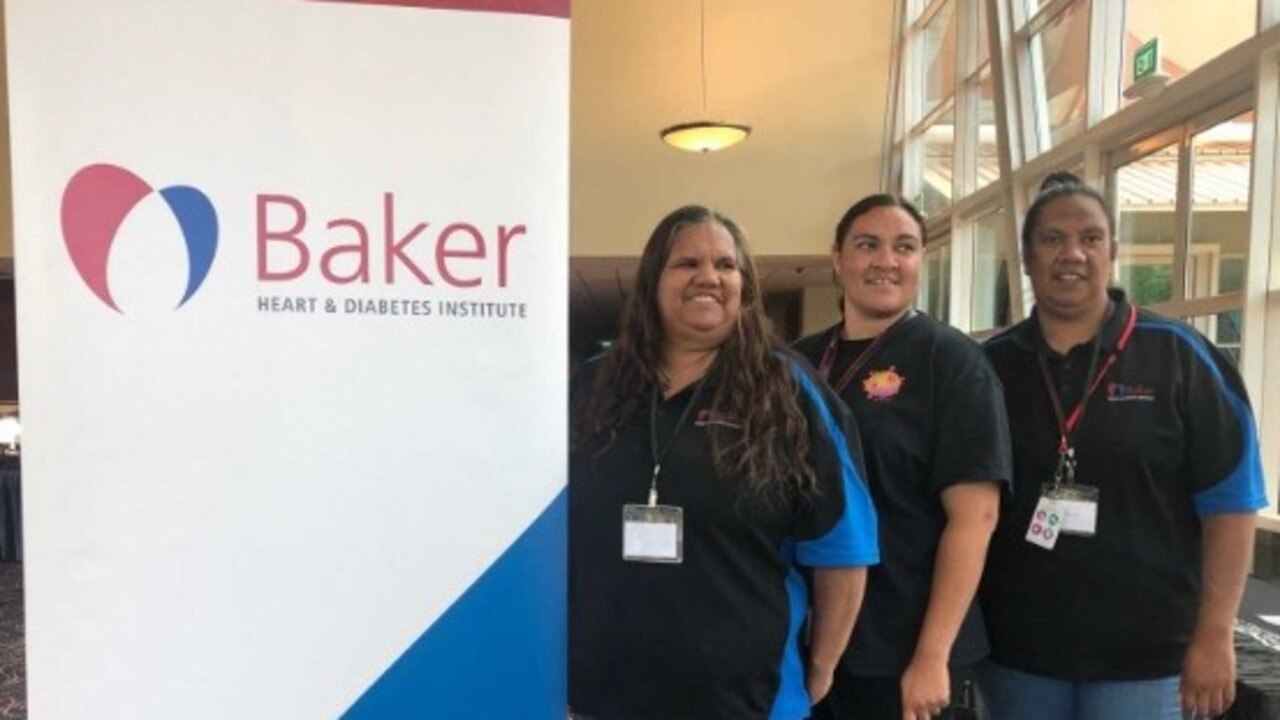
[(1168, 438), (930, 415), (717, 636)]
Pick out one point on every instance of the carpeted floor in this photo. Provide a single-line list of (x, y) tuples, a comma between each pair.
[(13, 661)]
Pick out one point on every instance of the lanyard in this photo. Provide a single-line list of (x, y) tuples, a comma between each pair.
[(658, 457), (829, 355), (1067, 423)]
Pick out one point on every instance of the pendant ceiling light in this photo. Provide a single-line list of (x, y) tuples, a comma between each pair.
[(704, 135)]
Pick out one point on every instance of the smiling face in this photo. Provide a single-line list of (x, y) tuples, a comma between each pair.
[(700, 288), (878, 264), (1069, 257)]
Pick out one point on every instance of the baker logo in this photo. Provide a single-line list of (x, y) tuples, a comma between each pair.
[(883, 385), (96, 202), (1130, 392)]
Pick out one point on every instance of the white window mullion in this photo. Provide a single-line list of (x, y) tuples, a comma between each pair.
[(1006, 69), (1036, 102), (1262, 275), (962, 243), (1183, 203), (1106, 60), (894, 123)]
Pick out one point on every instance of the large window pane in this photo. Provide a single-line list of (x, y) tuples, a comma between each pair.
[(983, 134), (1147, 192), (939, 56), (1220, 207), (1223, 329), (1060, 54), (992, 264), (935, 283), (1191, 32), (938, 141)]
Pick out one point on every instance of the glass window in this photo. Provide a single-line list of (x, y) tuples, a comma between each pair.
[(1146, 192), (1223, 329), (935, 281), (983, 132), (1191, 32), (993, 263), (1060, 59), (939, 56), (1220, 168), (938, 141)]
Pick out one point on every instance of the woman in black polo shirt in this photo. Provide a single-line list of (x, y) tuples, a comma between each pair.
[(1118, 565), (707, 468), (934, 434)]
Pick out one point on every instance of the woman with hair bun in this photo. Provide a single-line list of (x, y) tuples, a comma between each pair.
[(708, 468), (1117, 568)]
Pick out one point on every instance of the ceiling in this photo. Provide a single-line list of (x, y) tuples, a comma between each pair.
[(811, 78)]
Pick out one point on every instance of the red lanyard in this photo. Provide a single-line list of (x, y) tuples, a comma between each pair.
[(829, 355), (1068, 424)]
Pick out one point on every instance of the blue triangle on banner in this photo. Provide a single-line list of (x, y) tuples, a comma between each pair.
[(500, 650)]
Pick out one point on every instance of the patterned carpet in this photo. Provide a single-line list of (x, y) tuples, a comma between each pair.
[(13, 674)]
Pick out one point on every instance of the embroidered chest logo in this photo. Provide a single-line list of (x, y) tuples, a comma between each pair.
[(1130, 392), (883, 385), (706, 417)]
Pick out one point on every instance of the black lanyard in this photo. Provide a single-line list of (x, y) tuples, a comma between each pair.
[(1068, 423), (829, 355), (658, 457)]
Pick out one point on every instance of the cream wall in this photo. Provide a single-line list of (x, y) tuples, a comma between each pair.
[(810, 77), (1191, 31)]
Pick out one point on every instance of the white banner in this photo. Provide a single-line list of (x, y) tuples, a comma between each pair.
[(292, 334)]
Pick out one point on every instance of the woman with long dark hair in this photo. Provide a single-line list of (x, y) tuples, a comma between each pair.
[(707, 469)]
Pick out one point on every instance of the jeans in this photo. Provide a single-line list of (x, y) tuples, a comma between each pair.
[(1007, 694)]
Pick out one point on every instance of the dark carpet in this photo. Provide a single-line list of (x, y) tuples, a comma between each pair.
[(13, 661)]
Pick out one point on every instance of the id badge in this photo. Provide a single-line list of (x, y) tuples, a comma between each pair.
[(653, 533), (1079, 505), (1046, 523)]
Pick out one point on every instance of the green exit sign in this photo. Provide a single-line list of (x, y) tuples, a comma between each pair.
[(1146, 60)]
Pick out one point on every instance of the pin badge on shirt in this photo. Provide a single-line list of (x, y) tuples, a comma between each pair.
[(1046, 523)]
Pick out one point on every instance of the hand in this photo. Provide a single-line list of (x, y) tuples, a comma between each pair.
[(1209, 676), (818, 683), (926, 688)]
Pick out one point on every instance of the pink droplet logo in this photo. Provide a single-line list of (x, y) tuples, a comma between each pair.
[(96, 202)]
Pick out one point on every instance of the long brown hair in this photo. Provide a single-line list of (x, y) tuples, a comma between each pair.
[(754, 382)]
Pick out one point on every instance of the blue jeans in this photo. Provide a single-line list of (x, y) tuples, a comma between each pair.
[(1007, 694)]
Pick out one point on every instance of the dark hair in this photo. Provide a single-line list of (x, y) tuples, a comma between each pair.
[(1061, 184), (754, 383), (871, 202)]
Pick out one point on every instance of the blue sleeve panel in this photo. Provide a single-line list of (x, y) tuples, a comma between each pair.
[(792, 700), (853, 540), (1242, 489)]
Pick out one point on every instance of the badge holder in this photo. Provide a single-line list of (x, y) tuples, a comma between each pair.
[(1065, 507), (1079, 505), (653, 534)]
